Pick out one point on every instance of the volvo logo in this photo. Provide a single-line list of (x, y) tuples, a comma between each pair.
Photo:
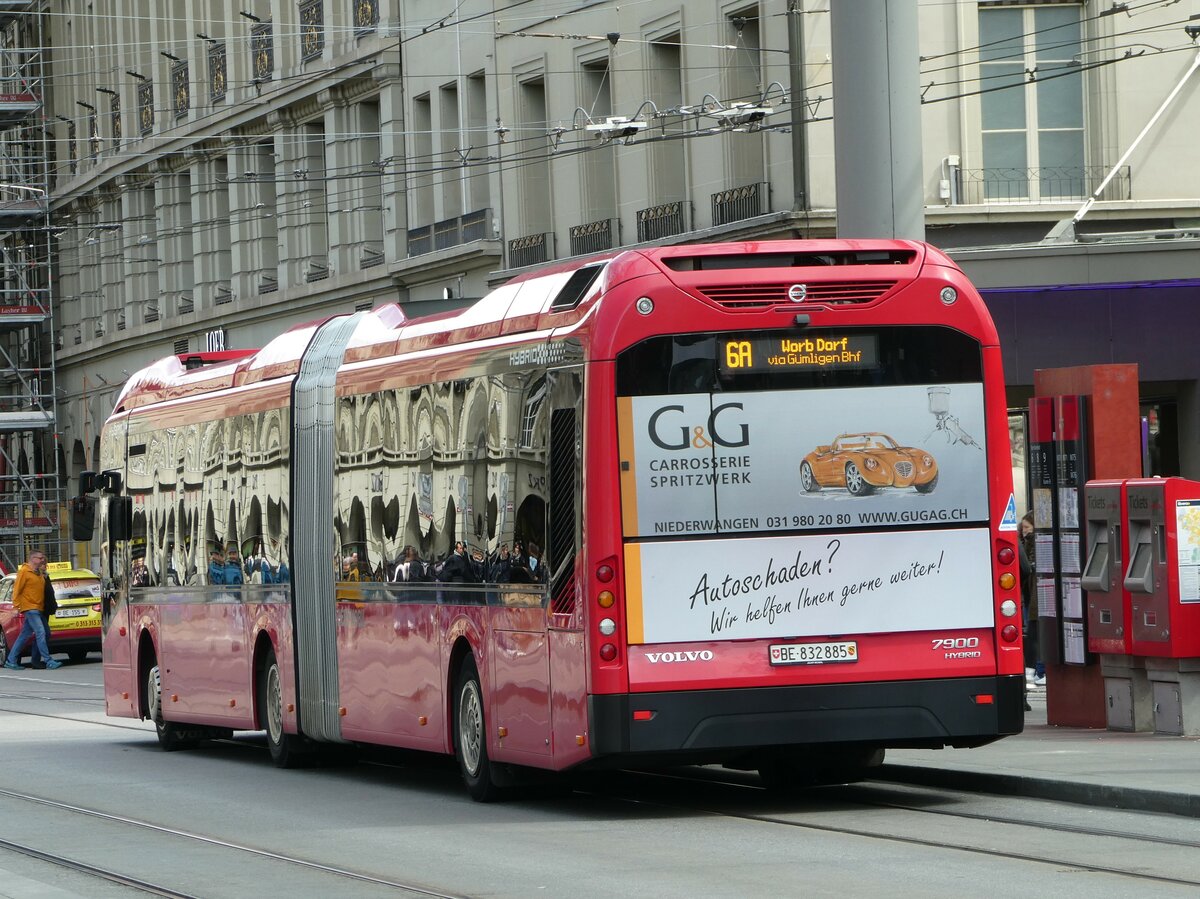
[(797, 293), (704, 655)]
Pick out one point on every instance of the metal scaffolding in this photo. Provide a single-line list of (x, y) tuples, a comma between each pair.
[(32, 488)]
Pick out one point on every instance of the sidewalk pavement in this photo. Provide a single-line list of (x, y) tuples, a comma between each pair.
[(1112, 769)]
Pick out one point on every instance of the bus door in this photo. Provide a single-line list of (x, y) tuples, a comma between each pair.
[(115, 524), (568, 659), (522, 631)]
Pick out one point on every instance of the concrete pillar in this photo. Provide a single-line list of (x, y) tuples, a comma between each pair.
[(877, 119), (392, 149), (242, 220), (291, 193), (342, 193)]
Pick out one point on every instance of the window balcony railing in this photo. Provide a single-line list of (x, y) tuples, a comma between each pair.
[(740, 203), (664, 220), (371, 255), (1047, 184), (532, 249), (317, 271), (595, 237), (449, 233)]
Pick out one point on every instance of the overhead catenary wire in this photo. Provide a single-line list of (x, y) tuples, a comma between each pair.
[(535, 136)]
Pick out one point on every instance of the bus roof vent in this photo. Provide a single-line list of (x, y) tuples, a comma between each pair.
[(724, 262), (576, 288), (796, 293), (191, 361)]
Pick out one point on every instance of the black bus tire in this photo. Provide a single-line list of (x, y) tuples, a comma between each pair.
[(287, 750), (470, 735), (171, 736)]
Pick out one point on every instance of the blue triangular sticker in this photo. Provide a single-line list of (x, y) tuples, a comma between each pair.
[(1009, 521)]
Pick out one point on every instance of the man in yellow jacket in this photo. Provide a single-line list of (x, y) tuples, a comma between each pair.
[(28, 597)]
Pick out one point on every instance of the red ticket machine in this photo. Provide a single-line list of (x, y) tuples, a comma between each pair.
[(1103, 579), (1162, 571)]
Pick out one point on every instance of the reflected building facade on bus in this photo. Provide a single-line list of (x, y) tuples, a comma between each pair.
[(463, 460), (219, 484)]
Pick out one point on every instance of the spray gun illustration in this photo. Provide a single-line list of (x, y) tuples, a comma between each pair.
[(939, 407)]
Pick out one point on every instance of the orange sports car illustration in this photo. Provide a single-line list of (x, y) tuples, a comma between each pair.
[(863, 462)]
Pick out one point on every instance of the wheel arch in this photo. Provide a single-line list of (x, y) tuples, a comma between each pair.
[(147, 658), (263, 646), (461, 649)]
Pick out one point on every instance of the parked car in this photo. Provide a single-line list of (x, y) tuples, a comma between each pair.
[(74, 628), (863, 462)]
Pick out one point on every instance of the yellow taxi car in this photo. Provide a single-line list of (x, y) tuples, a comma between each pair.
[(75, 627)]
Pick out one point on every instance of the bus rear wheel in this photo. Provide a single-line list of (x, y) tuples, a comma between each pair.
[(470, 736), (287, 750), (789, 772), (171, 736)]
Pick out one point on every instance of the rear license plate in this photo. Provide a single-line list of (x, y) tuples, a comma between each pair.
[(71, 613), (813, 653)]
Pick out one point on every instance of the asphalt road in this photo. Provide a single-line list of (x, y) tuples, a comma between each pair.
[(221, 821)]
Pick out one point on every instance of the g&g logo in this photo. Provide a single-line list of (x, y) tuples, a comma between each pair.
[(698, 436)]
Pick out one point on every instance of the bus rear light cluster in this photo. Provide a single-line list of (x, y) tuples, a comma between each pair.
[(606, 573), (1006, 555)]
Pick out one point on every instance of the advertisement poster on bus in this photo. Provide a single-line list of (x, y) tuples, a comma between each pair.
[(808, 585), (789, 460)]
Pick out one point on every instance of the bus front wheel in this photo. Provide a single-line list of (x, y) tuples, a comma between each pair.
[(470, 736)]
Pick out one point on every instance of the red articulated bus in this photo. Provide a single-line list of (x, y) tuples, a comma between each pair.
[(747, 504)]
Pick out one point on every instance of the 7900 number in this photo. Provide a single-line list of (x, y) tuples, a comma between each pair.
[(955, 643)]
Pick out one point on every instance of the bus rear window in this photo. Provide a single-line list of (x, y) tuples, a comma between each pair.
[(817, 429), (798, 359)]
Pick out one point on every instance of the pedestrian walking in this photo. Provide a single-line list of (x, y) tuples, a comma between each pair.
[(29, 597)]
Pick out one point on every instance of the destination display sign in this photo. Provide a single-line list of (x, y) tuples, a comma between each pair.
[(806, 352)]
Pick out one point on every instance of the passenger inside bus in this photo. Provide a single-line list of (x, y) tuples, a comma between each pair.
[(216, 566)]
